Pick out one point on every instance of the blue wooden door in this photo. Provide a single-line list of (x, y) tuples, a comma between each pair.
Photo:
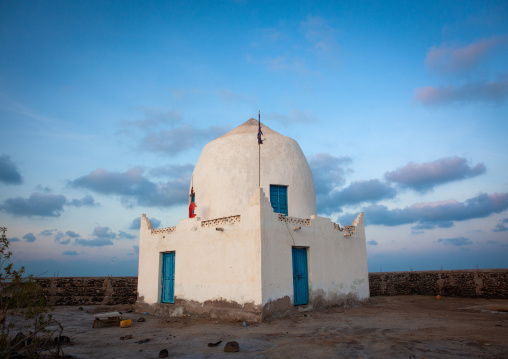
[(300, 276), (279, 198), (168, 278)]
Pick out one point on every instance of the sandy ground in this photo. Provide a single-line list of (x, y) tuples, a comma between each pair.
[(387, 327)]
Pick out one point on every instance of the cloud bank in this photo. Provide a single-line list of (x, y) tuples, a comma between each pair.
[(9, 173), (436, 213), (423, 177), (87, 201), (29, 237), (481, 91), (370, 191), (501, 227), (466, 62), (176, 140), (38, 204), (134, 188), (458, 241), (446, 59), (42, 204), (329, 171)]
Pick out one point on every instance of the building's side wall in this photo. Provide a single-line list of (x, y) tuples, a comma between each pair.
[(337, 265), (484, 283), (217, 273)]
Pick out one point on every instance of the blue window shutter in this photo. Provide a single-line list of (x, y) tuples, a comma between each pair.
[(279, 198)]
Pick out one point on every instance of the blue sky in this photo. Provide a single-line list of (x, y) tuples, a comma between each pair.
[(400, 107)]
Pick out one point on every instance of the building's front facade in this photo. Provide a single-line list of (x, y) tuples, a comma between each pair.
[(255, 248)]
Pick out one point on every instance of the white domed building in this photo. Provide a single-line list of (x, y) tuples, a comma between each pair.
[(254, 248)]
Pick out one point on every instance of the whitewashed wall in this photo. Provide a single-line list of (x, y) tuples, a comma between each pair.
[(209, 264), (337, 264), (250, 262)]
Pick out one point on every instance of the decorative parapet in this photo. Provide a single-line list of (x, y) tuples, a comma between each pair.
[(357, 219), (294, 220), (348, 229), (145, 221), (163, 230), (220, 221)]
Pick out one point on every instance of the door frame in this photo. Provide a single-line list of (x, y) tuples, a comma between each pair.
[(297, 299), (161, 272)]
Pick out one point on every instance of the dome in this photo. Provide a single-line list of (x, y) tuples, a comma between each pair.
[(226, 175)]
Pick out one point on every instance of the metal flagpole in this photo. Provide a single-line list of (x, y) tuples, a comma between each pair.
[(259, 147), (260, 142)]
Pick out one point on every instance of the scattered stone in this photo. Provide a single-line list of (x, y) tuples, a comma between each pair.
[(126, 337), (129, 311), (61, 339), (141, 319), (305, 308), (232, 347), (214, 344), (163, 353), (80, 308), (143, 341)]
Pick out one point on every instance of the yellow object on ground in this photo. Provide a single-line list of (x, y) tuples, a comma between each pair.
[(125, 323)]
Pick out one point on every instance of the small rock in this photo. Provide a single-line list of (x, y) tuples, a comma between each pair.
[(232, 347), (143, 341), (141, 319), (61, 339), (214, 344), (163, 353), (80, 308)]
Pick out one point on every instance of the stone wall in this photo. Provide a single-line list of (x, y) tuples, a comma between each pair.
[(89, 290), (484, 283), (479, 283)]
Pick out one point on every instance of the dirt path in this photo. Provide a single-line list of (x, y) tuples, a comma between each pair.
[(388, 327)]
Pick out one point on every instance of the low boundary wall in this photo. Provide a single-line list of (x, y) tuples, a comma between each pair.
[(89, 290), (478, 283)]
